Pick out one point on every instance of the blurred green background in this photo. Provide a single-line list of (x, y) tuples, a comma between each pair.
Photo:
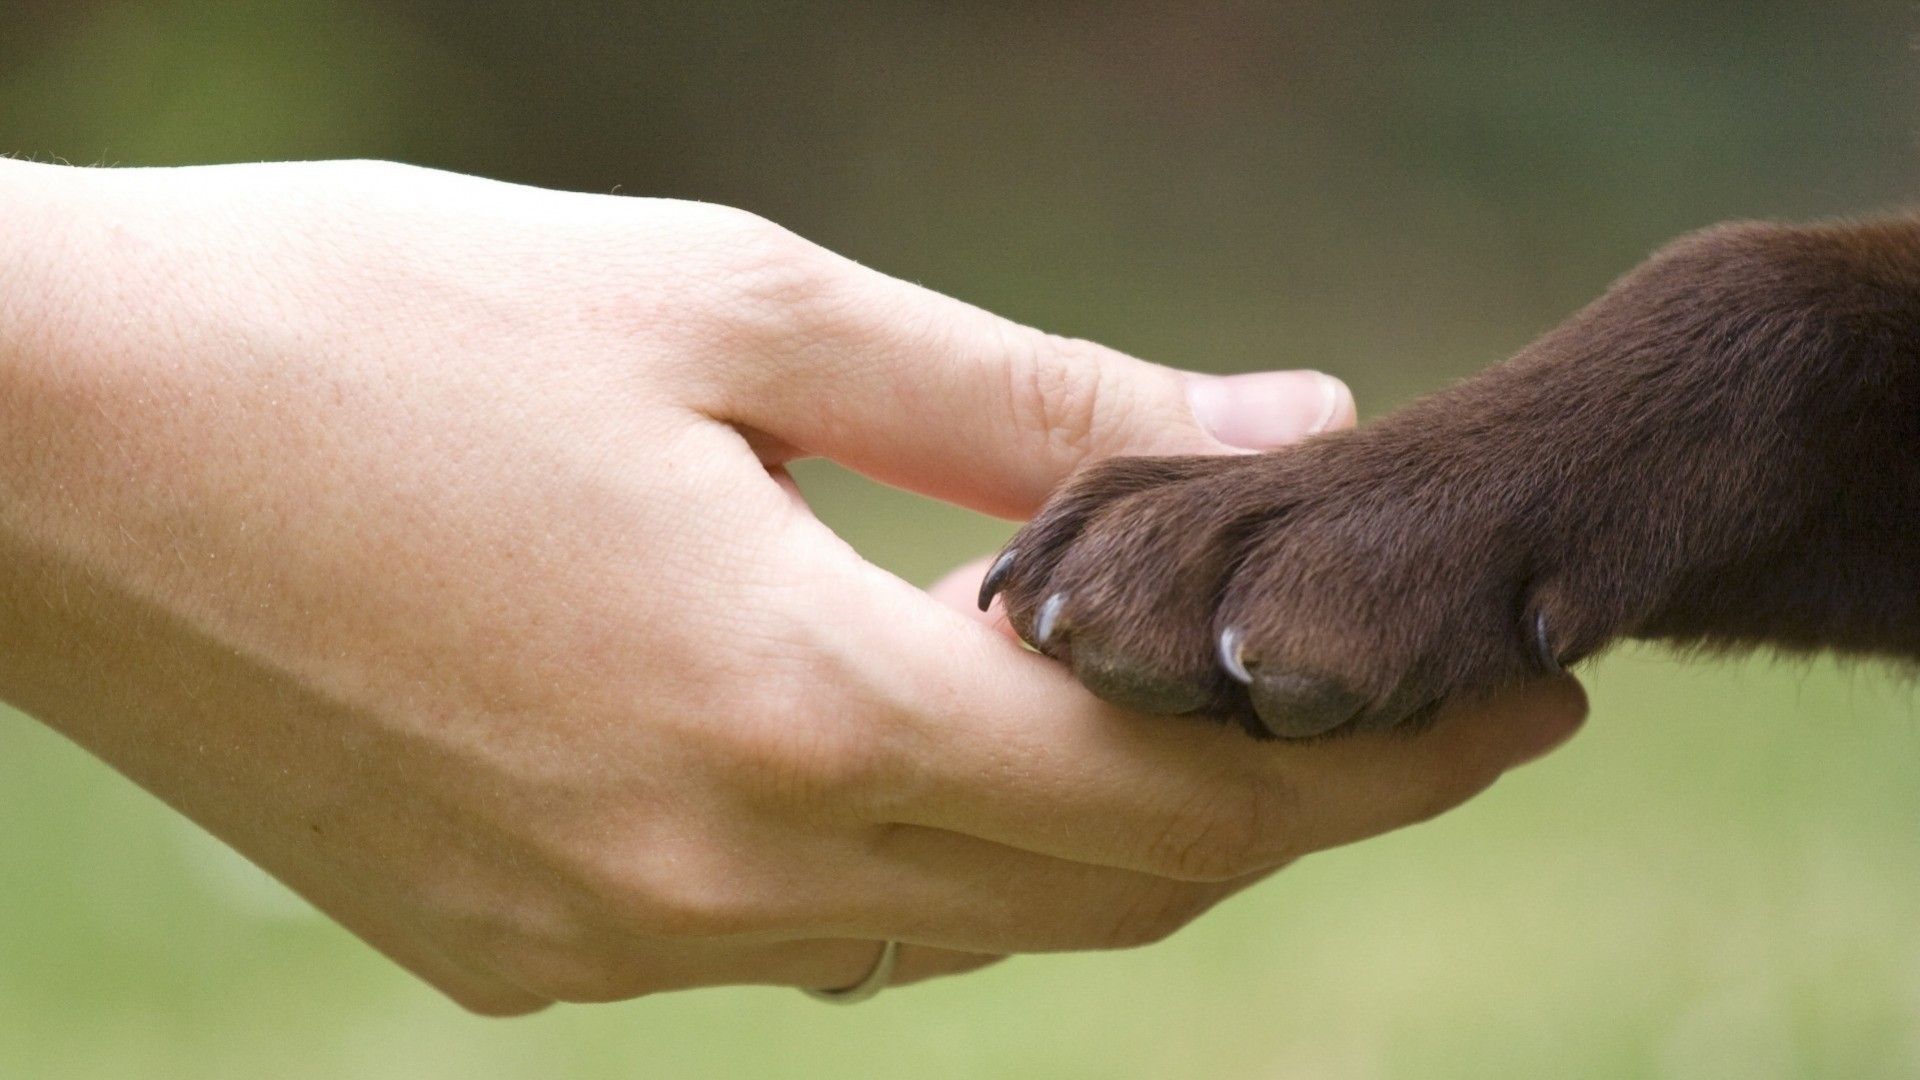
[(1719, 878)]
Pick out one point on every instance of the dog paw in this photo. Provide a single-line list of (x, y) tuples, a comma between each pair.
[(1344, 585)]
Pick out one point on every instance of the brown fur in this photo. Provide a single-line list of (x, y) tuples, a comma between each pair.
[(1724, 449)]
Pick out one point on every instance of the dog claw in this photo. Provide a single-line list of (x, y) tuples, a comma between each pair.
[(1543, 645), (1043, 623), (997, 576), (1231, 661)]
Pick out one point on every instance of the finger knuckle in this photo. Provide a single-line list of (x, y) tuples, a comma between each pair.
[(677, 889), (1059, 388), (767, 284), (683, 904)]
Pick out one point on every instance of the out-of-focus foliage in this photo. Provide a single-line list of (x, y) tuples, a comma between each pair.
[(1721, 878)]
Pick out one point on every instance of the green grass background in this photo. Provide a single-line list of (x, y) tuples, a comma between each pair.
[(1720, 878)]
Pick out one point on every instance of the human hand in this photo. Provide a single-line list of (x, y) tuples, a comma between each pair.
[(426, 539)]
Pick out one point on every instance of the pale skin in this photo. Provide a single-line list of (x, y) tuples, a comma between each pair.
[(427, 539)]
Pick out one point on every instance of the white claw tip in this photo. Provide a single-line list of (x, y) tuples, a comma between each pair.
[(1049, 615), (1543, 644), (1230, 658)]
